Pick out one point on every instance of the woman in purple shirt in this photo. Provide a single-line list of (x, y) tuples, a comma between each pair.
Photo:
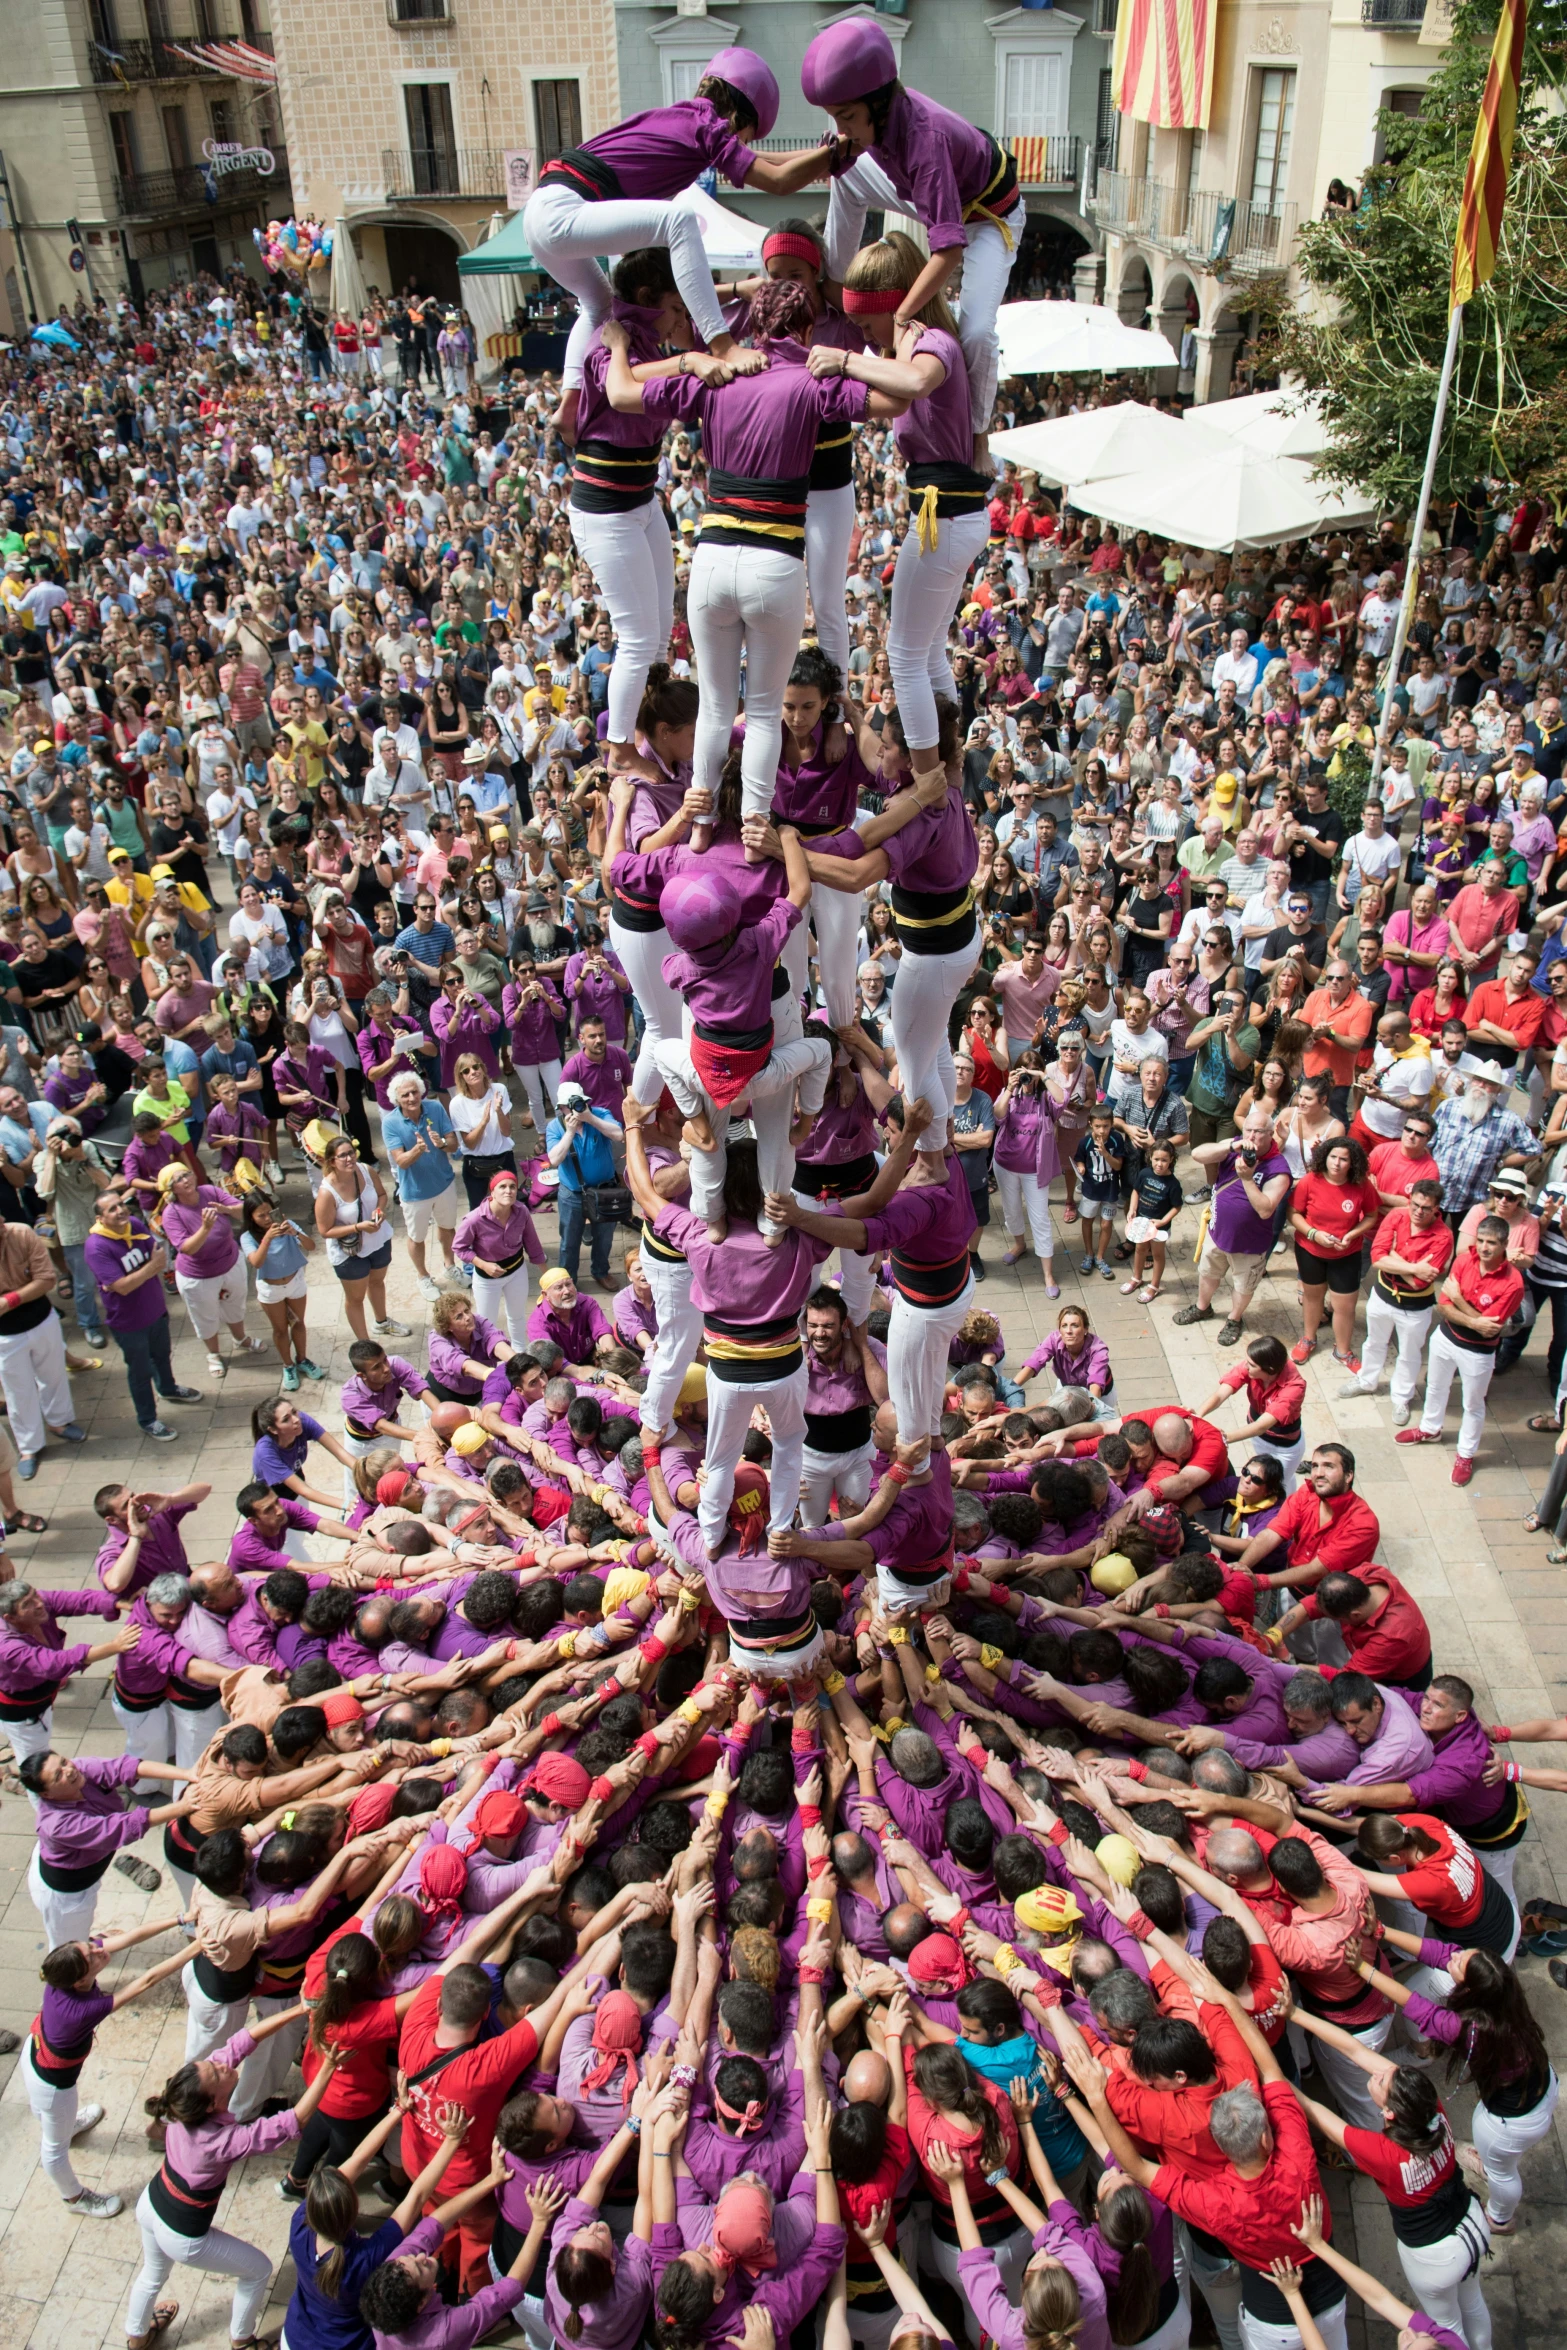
[(1024, 1114), (632, 1312), (658, 812), (62, 2037), (498, 1241), (198, 1223), (75, 1091), (530, 1008), (820, 778), (463, 1349)]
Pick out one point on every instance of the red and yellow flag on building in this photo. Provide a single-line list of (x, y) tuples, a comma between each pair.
[(1163, 65), (1490, 158)]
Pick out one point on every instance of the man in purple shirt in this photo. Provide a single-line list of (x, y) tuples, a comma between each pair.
[(1490, 1819), (35, 1662), (599, 1067), (144, 1535), (83, 1822), (596, 988), (260, 1542), (158, 1669)]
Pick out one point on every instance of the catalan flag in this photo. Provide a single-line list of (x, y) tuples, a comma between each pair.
[(1163, 67), (1490, 158)]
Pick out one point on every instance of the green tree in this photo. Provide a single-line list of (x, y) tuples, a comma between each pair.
[(1368, 331)]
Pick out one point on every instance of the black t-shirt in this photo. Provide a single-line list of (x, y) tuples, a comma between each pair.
[(177, 845), (1314, 940), (1313, 861), (1471, 683), (35, 979)]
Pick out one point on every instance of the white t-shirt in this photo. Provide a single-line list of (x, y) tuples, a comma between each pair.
[(263, 940), (485, 1124), (226, 812), (1366, 860), (1410, 1078)]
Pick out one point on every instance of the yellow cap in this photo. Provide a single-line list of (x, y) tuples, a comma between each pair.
[(693, 1387), (1049, 1909), (1117, 1858), (623, 1583), (470, 1438), (1113, 1573)]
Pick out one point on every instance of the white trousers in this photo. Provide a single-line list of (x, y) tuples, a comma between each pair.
[(540, 1084), (67, 1917), (564, 234), (805, 1063), (642, 955), (744, 602), (1408, 1325), (162, 2251), (730, 1403), (56, 2111), (925, 594), (1257, 2334), (1444, 2279), (1502, 2146), (679, 1336), (836, 918), (1444, 1363), (928, 987), (35, 1383), (213, 1302), (148, 1736), (846, 1474), (512, 1292), (266, 2069), (917, 1340), (195, 1727), (987, 265), (1348, 2079), (829, 526), (1499, 1867), (1025, 1209), (632, 557), (856, 1273), (1288, 1456), (209, 2022)]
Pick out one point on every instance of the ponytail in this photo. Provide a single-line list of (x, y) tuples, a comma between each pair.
[(580, 2278), (1126, 2223), (182, 2099), (1052, 2309), (667, 700), (682, 2308), (353, 1965), (946, 2079), (331, 2208)]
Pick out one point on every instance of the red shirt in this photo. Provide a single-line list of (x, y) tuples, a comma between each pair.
[(1395, 1644), (1346, 1543), (881, 2187), (1174, 2122), (1253, 2218), (1448, 1885), (1284, 1396), (1333, 1210), (1392, 1169), (479, 2080), (1210, 1451), (1407, 2179), (1522, 1018), (1396, 1236), (1495, 1294), (1482, 922)]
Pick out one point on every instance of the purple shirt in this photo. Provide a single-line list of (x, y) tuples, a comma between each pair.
[(162, 1551), (1237, 1227), (729, 987), (739, 1278), (1090, 1368), (218, 1251), (446, 1357), (839, 1132), (67, 1092), (930, 1224), (938, 163), (576, 1333), (593, 995), (145, 1158), (1062, 2238), (251, 1631), (363, 1405), (1453, 1784), (531, 1027), (831, 1388), (632, 1319), (31, 1670), (374, 1044), (237, 1132), (818, 794), (81, 1835), (604, 1082), (659, 154), (762, 427), (273, 1463), (596, 419), (1021, 1131), (937, 430), (615, 2323), (482, 1234), (110, 1260), (742, 1588), (938, 851), (469, 1028), (204, 2156)]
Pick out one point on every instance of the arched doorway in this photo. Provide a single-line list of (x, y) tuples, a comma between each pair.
[(1135, 292), (423, 257), (1049, 253)]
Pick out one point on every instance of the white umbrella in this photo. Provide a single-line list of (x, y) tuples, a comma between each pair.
[(347, 298), (1228, 497), (1055, 338), (1126, 438), (1275, 424)]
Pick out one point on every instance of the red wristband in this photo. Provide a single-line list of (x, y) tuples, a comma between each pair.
[(960, 1578), (1502, 1733), (1159, 1608), (652, 1650), (527, 1558), (898, 1473), (647, 1744), (810, 1815), (817, 1867), (811, 1974), (1135, 1770), (11, 1300), (1056, 1835), (600, 1790)]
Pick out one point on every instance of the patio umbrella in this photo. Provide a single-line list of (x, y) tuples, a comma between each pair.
[(1275, 424), (1056, 338), (1127, 438), (1228, 496), (348, 296)]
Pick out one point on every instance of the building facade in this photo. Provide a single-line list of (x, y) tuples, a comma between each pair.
[(123, 147), (417, 120), (1036, 77)]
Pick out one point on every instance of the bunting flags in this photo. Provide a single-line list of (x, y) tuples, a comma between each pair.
[(1163, 66), (1490, 158)]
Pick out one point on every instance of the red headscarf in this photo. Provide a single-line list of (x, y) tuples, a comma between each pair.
[(939, 1964), (560, 1778), (371, 1808), (389, 1490), (340, 1706), (500, 1813), (749, 2117), (617, 2035), (743, 2229), (748, 1510), (443, 1880)]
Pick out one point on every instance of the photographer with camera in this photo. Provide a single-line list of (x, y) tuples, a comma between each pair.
[(1250, 1176)]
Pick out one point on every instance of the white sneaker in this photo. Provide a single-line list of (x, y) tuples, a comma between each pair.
[(1356, 1387), (1401, 1415), (428, 1288), (89, 2204), (88, 2119), (216, 1365), (391, 1329)]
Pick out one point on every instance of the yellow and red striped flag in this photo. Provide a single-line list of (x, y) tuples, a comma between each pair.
[(1163, 66), (1490, 158)]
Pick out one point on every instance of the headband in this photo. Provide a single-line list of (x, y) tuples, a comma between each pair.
[(788, 244), (871, 301)]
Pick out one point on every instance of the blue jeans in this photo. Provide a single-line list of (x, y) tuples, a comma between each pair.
[(146, 1355), (84, 1292), (574, 1210)]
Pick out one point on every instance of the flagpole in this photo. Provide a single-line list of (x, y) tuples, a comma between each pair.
[(1417, 537)]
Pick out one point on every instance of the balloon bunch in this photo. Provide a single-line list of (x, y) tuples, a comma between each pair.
[(293, 245)]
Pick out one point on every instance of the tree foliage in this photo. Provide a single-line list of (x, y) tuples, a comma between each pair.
[(1368, 331)]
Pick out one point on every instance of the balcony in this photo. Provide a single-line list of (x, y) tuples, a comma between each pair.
[(412, 173), (155, 61), (1399, 15), (413, 15), (1229, 235), (1046, 162), (1104, 15), (202, 186)]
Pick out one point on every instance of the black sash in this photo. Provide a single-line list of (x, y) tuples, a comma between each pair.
[(188, 2210), (77, 1880), (839, 1431), (608, 479), (587, 173), (745, 512)]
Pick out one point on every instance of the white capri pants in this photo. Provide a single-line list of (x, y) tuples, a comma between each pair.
[(806, 1063), (541, 1083), (211, 1303), (1025, 1209), (266, 2069), (1444, 1363), (846, 1474), (925, 594), (642, 955), (35, 1383), (987, 265), (928, 987), (917, 1339), (148, 1736), (565, 232), (829, 526), (1258, 2334), (209, 2022), (1347, 2079), (730, 1403), (856, 1273), (679, 1336), (512, 1293), (1502, 2145), (632, 556), (67, 1917), (1444, 2278), (227, 2256), (56, 2111), (1498, 1865), (835, 918), (746, 601), (1409, 1326)]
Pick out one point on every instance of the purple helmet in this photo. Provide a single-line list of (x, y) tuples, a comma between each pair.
[(847, 61), (698, 909), (753, 77)]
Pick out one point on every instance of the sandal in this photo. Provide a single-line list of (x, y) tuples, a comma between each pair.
[(1544, 1425), (1531, 1524), (1556, 1556), (162, 2318), (25, 1522), (1145, 1297)]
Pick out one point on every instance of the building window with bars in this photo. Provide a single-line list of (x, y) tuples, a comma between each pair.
[(432, 138), (1275, 128), (1107, 123), (557, 118)]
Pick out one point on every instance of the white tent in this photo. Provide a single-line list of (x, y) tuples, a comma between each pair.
[(1228, 496), (730, 241), (1127, 438), (1275, 424), (1054, 338), (348, 297)]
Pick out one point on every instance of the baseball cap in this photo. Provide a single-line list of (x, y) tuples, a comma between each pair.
[(163, 873)]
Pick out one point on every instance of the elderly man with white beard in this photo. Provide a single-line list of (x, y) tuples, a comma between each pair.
[(1475, 1134)]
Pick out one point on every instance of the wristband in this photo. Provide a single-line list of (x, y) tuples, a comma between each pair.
[(11, 1299), (997, 2177), (601, 1789), (441, 1747), (566, 1646), (633, 2123), (861, 1993), (820, 1912), (933, 1672), (1136, 1770), (817, 1867), (991, 1658), (1160, 1609), (683, 2077), (810, 1815), (1005, 1959), (652, 1455), (717, 1803), (1501, 1734), (691, 1713), (890, 1729), (652, 1650), (1512, 1772), (810, 1974), (833, 1682), (898, 1637), (1057, 1835), (551, 1725), (960, 1578), (956, 1923), (897, 1474), (688, 1603), (647, 1744)]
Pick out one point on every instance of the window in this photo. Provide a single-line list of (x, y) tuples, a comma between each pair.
[(222, 114), (1032, 97), (176, 137), (122, 137), (432, 142), (684, 74), (1194, 148), (557, 116), (105, 25), (1107, 123), (1275, 124)]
